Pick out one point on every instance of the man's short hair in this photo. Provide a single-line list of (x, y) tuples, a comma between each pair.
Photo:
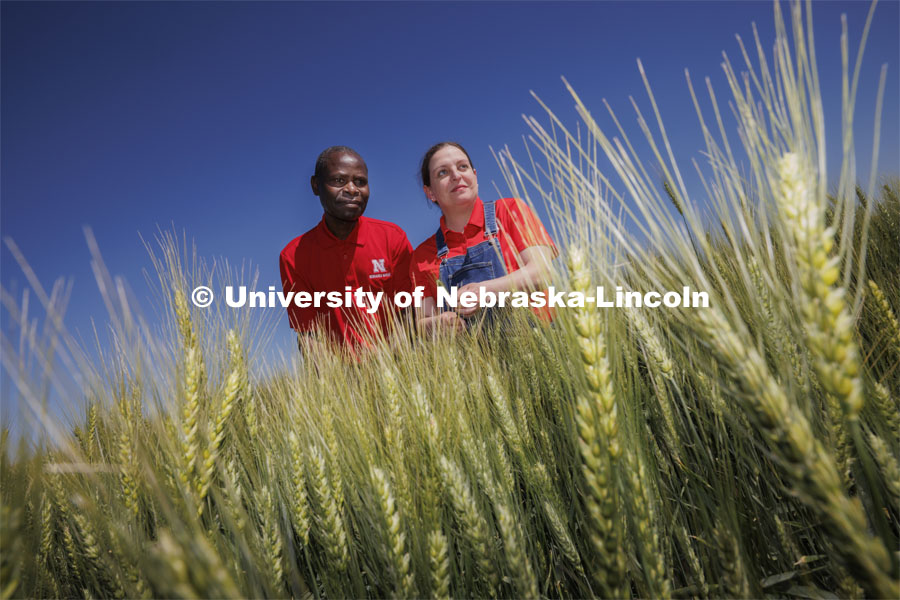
[(327, 152)]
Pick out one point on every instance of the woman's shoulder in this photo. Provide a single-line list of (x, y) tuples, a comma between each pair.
[(509, 204), (521, 223), (511, 207)]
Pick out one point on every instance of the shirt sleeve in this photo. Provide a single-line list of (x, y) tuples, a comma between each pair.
[(523, 227), (423, 274), (402, 258)]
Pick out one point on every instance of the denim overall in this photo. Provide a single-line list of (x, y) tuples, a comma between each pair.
[(480, 262)]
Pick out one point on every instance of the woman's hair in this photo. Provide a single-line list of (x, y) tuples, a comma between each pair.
[(425, 173)]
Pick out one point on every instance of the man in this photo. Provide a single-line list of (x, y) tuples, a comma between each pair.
[(345, 250)]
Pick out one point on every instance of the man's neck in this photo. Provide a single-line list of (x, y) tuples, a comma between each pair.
[(458, 219), (340, 229)]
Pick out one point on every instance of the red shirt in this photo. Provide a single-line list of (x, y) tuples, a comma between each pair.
[(519, 229), (374, 257)]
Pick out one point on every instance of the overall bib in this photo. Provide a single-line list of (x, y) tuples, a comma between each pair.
[(480, 262)]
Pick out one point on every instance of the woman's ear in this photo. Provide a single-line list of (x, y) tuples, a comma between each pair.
[(428, 193)]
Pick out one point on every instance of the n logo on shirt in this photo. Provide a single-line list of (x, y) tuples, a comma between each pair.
[(378, 266)]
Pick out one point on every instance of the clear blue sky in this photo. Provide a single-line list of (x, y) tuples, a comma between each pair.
[(209, 116)]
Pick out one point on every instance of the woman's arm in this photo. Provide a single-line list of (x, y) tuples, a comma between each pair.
[(534, 275)]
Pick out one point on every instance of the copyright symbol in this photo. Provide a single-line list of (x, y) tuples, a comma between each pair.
[(202, 296)]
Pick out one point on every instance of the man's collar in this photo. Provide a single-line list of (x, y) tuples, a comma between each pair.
[(330, 240), (476, 219)]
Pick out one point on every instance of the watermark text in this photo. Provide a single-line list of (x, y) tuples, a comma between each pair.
[(372, 301)]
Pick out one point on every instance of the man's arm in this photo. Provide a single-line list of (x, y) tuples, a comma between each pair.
[(299, 319), (401, 280)]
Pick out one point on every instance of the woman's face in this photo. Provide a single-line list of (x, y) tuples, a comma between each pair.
[(453, 180)]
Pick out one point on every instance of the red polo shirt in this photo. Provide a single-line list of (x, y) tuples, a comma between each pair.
[(374, 257), (519, 229)]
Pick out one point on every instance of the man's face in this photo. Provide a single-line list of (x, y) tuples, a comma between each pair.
[(344, 189)]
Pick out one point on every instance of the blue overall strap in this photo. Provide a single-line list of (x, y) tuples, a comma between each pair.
[(442, 248), (490, 219)]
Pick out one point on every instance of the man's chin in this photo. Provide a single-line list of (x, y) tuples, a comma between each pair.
[(352, 216)]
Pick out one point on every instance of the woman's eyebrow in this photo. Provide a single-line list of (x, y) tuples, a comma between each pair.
[(461, 161)]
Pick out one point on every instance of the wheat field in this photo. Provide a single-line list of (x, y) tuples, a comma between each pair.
[(749, 449)]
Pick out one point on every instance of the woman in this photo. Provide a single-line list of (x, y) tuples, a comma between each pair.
[(498, 246)]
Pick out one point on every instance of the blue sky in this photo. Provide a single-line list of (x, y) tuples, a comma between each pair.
[(207, 117)]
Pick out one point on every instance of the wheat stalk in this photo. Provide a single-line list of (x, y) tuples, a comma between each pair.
[(300, 503), (888, 465), (734, 578), (887, 317), (230, 398), (439, 563), (810, 468), (271, 537), (598, 433), (646, 532), (471, 520), (190, 425), (329, 520), (127, 471), (516, 556), (829, 323), (394, 537), (887, 409)]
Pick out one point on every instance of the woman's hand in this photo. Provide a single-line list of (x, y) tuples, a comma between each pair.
[(476, 287), (434, 319), (445, 321), (450, 321)]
